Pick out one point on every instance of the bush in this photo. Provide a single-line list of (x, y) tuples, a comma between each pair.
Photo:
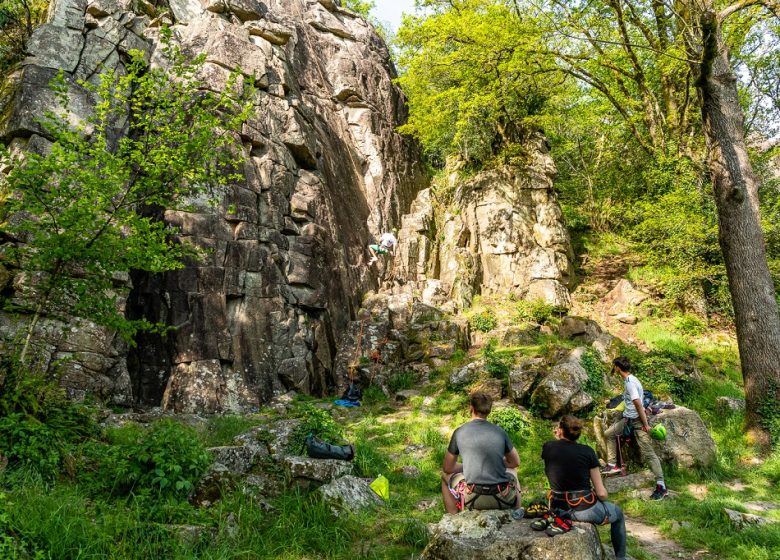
[(596, 369), (29, 443), (511, 420), (401, 380), (167, 459), (316, 421), (537, 311), (690, 325), (496, 365), (484, 321)]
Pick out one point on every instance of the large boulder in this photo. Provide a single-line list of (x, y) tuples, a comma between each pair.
[(623, 298), (349, 494), (579, 329), (561, 391), (492, 535), (688, 441)]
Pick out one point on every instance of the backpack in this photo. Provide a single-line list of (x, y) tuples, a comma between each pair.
[(647, 398), (353, 393), (318, 449)]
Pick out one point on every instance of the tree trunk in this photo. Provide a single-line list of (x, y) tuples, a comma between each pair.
[(740, 234)]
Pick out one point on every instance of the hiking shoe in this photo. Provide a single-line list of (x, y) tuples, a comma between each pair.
[(610, 470), (559, 526), (659, 493)]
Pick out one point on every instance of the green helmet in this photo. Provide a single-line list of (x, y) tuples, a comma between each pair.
[(658, 432)]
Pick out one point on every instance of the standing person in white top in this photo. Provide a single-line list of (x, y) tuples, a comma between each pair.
[(385, 245), (635, 417)]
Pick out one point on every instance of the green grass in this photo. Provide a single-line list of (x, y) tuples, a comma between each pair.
[(65, 520)]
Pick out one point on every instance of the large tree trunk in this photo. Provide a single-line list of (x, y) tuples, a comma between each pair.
[(741, 236)]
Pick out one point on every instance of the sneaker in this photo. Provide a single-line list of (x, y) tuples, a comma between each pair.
[(372, 261), (610, 470), (659, 493)]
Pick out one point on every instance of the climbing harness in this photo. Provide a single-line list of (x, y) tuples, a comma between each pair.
[(576, 500)]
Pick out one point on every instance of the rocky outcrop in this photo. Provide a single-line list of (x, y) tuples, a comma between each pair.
[(393, 333), (492, 535), (500, 231), (324, 173)]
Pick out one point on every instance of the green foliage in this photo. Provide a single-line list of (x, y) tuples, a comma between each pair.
[(373, 394), (537, 311), (496, 364), (512, 420), (769, 412), (18, 19), (596, 369), (362, 7), (467, 79), (690, 325), (222, 430), (165, 460), (316, 421), (401, 380), (39, 425), (484, 321), (84, 208)]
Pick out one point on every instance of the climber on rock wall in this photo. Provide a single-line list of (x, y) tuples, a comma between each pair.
[(386, 244)]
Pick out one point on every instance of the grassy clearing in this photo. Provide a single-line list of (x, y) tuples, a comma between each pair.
[(72, 517)]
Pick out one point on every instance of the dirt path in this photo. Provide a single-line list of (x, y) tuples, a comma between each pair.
[(659, 546)]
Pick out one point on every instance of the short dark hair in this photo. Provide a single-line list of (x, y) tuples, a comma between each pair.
[(571, 426), (482, 403), (623, 363)]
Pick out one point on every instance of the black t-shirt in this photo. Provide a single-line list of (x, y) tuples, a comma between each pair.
[(567, 465)]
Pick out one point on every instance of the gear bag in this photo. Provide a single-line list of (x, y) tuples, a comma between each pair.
[(318, 449)]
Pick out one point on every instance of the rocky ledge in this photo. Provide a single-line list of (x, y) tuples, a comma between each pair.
[(493, 535)]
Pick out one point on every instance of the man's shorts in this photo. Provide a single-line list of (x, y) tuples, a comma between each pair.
[(379, 249), (505, 499)]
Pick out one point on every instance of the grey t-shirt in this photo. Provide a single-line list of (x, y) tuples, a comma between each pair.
[(632, 389), (482, 446)]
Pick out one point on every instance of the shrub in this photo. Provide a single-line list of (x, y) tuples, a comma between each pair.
[(537, 311), (401, 380), (167, 459), (592, 363), (28, 442), (484, 321), (511, 419), (690, 325), (496, 365), (315, 421)]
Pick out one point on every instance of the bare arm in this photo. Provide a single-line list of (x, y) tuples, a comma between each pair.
[(642, 416), (598, 484), (512, 459), (451, 464)]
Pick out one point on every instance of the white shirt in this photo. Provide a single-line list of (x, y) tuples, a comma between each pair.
[(632, 390), (387, 241)]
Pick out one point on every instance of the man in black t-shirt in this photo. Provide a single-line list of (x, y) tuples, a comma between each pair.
[(576, 485), (487, 478)]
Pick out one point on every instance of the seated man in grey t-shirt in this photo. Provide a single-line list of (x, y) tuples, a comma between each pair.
[(487, 477)]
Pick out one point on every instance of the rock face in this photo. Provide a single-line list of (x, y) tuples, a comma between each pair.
[(325, 172), (501, 232), (492, 535)]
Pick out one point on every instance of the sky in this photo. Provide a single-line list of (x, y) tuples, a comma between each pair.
[(390, 11)]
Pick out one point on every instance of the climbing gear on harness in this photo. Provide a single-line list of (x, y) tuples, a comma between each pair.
[(573, 501), (505, 494)]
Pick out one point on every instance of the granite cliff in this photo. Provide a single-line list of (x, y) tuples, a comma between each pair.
[(325, 172)]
